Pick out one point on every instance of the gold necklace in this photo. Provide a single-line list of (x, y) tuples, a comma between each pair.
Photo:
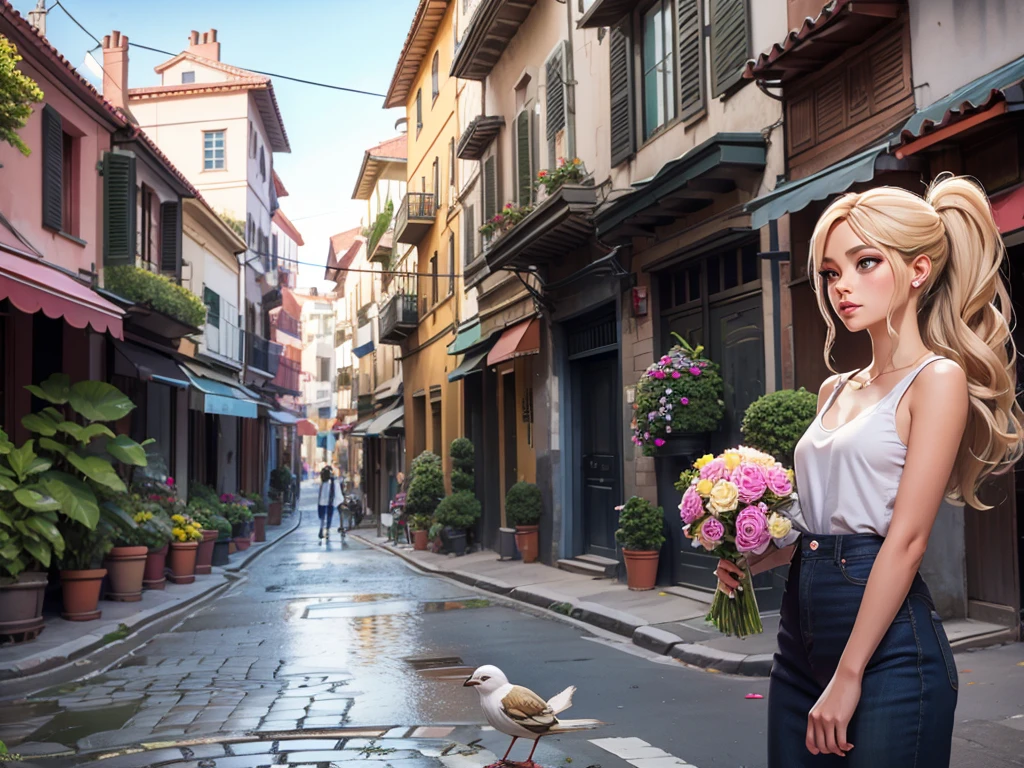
[(857, 385)]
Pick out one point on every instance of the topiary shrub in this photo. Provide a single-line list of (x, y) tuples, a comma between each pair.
[(426, 488), (462, 454), (460, 511), (775, 422), (523, 504), (641, 526)]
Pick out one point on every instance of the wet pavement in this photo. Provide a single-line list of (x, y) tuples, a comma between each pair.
[(335, 653)]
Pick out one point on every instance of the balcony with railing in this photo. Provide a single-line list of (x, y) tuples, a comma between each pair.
[(415, 217), (285, 323), (261, 354), (399, 314), (223, 339), (288, 376)]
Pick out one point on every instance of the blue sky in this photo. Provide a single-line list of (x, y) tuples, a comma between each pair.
[(353, 43)]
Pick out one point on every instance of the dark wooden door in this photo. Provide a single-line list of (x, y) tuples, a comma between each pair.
[(508, 407), (597, 390)]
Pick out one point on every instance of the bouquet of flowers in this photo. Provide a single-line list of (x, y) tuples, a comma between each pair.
[(185, 528), (731, 507)]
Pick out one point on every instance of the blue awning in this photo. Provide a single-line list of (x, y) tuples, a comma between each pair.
[(283, 418), (221, 399), (364, 350), (465, 339)]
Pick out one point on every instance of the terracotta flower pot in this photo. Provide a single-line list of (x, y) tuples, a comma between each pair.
[(126, 567), (419, 540), (526, 542), (260, 527), (274, 510), (21, 606), (153, 577), (183, 561), (204, 555), (641, 569), (232, 547), (242, 543), (82, 594)]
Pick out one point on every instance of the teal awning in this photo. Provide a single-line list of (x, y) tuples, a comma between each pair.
[(794, 196), (222, 399), (471, 364), (283, 418), (465, 339), (976, 94)]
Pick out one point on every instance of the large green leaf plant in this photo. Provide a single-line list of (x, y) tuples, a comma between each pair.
[(58, 489)]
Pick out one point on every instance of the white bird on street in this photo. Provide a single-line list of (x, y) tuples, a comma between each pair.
[(519, 712)]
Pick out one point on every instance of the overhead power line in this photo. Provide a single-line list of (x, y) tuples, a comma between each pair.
[(304, 81)]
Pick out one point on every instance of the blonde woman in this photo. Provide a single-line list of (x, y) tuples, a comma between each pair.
[(864, 669)]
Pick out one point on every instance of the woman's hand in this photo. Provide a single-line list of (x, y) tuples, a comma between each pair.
[(829, 718), (729, 575)]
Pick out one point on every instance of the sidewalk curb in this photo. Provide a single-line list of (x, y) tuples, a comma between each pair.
[(75, 651), (636, 629)]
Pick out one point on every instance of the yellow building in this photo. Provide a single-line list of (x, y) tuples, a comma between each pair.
[(422, 310)]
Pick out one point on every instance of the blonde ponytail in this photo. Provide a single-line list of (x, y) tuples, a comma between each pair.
[(967, 317), (964, 313)]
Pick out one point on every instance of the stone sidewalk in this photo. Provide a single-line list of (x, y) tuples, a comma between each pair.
[(62, 642), (667, 620)]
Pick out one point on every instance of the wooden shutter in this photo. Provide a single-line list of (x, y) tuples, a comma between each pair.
[(469, 239), (524, 158), (490, 188), (451, 263), (170, 237), (120, 221), (620, 55), (53, 169), (212, 301), (555, 98), (691, 58), (730, 43)]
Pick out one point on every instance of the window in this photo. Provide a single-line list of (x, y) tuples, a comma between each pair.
[(273, 251), (148, 206), (433, 79), (212, 302), (524, 157), (451, 162), (556, 133), (437, 184), (469, 239), (433, 279), (621, 126), (69, 183), (252, 140), (419, 111), (213, 150), (451, 263), (263, 164), (188, 77), (490, 188), (658, 67), (324, 367), (60, 175)]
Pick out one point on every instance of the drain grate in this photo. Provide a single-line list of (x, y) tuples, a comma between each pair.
[(424, 662)]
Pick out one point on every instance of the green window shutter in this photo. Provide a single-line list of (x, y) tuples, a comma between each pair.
[(212, 301), (524, 158), (170, 237), (555, 106), (691, 58), (730, 43), (53, 169), (620, 56), (469, 241), (490, 188), (119, 202)]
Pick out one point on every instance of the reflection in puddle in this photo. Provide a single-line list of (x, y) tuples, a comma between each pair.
[(68, 726), (340, 610)]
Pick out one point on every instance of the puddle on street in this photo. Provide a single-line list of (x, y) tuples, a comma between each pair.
[(68, 727), (343, 610), (26, 710)]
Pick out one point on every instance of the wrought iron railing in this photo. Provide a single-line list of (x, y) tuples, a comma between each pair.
[(400, 314), (262, 354), (282, 321), (415, 205)]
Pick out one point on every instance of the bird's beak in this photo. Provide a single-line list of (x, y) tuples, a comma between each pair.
[(471, 683)]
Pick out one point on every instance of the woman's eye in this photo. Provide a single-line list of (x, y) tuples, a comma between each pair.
[(868, 263), (827, 274)]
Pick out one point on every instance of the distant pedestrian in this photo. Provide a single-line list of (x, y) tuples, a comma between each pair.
[(330, 497), (305, 470)]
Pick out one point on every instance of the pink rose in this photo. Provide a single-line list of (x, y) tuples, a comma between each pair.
[(714, 470), (778, 481), (659, 374), (692, 506), (170, 482), (711, 532), (684, 400), (750, 480), (695, 371), (752, 529), (659, 442), (676, 374)]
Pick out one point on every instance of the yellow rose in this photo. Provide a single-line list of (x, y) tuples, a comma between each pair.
[(732, 460), (779, 526), (723, 497), (704, 487), (707, 458)]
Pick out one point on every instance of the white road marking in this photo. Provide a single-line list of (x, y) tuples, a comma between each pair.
[(639, 753)]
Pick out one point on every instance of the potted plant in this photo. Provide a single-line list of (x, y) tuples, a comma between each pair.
[(187, 534), (679, 395), (240, 517), (457, 513), (280, 481), (420, 526), (641, 534), (202, 514), (434, 537), (126, 561), (426, 486), (523, 507), (259, 516), (155, 533), (221, 545), (70, 474), (566, 172), (775, 422)]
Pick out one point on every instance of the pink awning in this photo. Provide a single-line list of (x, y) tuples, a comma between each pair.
[(307, 428), (33, 285), (517, 341), (1008, 209)]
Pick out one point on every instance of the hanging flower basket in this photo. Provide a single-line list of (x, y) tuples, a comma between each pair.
[(680, 393)]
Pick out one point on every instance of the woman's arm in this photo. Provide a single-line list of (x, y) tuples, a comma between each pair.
[(938, 414)]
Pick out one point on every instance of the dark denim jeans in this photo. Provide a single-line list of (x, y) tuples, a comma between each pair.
[(905, 715), (326, 513)]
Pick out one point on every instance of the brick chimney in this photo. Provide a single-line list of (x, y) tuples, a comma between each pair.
[(115, 69), (204, 44)]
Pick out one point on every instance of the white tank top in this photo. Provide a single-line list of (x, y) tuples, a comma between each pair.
[(847, 477)]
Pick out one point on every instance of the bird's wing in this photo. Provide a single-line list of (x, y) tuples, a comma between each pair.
[(525, 708), (562, 701)]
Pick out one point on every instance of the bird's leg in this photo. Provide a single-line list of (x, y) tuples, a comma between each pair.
[(529, 760), (509, 750)]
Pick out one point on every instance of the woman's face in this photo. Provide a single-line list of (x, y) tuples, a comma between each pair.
[(858, 278)]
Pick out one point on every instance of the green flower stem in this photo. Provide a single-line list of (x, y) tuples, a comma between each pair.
[(737, 615)]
